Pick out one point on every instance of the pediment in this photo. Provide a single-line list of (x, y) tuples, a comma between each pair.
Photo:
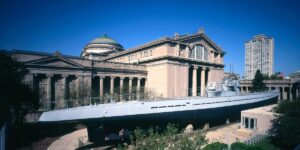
[(200, 38), (54, 61)]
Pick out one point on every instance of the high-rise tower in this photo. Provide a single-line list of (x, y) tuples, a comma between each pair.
[(259, 54)]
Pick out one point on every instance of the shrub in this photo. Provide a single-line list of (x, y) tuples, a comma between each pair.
[(169, 138), (215, 146)]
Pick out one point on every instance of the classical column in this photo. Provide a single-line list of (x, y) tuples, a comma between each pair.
[(49, 92), (138, 88), (29, 80), (35, 84), (278, 89), (290, 93), (194, 86), (146, 86), (247, 89), (130, 87), (101, 78), (280, 93), (202, 81), (208, 75), (121, 88), (86, 86), (284, 93), (64, 78), (79, 85), (297, 93), (112, 79)]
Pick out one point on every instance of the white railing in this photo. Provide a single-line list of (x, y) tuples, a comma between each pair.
[(71, 103), (256, 138), (86, 101)]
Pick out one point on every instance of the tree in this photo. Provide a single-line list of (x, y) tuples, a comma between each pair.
[(170, 139), (285, 131), (266, 77), (15, 96), (276, 76), (257, 83)]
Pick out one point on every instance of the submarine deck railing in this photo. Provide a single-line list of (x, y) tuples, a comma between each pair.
[(86, 101)]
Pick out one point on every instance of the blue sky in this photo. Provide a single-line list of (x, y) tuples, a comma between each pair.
[(50, 25)]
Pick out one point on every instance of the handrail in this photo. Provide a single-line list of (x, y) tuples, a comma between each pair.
[(86, 101)]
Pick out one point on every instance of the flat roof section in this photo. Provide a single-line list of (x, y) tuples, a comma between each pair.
[(262, 110)]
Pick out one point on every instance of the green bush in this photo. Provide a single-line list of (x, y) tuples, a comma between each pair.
[(169, 138), (238, 146), (216, 146), (242, 146)]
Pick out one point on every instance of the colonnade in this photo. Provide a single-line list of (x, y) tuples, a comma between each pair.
[(50, 80), (202, 81), (46, 85), (122, 78), (285, 92)]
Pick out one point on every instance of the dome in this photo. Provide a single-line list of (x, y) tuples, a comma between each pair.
[(105, 40), (101, 47)]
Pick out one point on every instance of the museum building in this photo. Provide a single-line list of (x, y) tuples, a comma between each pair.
[(169, 67)]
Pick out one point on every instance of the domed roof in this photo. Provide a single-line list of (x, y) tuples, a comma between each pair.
[(101, 47), (105, 40)]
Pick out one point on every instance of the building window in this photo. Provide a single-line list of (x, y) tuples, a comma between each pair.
[(199, 52), (150, 52)]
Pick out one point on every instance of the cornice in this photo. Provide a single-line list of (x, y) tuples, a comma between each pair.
[(177, 40), (184, 60), (152, 43)]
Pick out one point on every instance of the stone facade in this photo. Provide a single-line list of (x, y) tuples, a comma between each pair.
[(176, 66), (257, 120)]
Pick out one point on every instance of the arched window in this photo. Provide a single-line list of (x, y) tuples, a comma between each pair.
[(199, 52)]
